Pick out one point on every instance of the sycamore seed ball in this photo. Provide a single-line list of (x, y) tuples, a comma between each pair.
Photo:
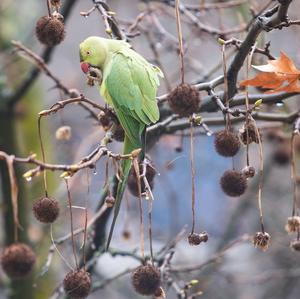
[(196, 239), (46, 210), (133, 182), (227, 144), (293, 224), (50, 31), (77, 284), (261, 240), (17, 260), (249, 131), (184, 100), (233, 183), (146, 280)]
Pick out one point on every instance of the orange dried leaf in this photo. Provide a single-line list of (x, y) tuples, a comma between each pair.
[(282, 65), (278, 75), (265, 80), (291, 87)]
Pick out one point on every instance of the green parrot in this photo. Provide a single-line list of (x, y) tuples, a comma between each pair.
[(129, 85)]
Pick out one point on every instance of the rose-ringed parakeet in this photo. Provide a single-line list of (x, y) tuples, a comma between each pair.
[(129, 85)]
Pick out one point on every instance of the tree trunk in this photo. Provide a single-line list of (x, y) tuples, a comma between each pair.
[(8, 143)]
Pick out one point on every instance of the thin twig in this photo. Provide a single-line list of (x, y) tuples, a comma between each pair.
[(261, 171), (71, 223), (43, 155), (193, 174), (293, 165), (179, 32)]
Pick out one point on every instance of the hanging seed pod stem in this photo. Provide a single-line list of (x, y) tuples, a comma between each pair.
[(261, 169), (43, 155), (49, 7), (137, 172), (293, 174), (192, 173), (225, 76), (247, 119), (179, 32), (150, 206), (247, 112), (86, 217), (57, 250), (226, 115), (71, 220)]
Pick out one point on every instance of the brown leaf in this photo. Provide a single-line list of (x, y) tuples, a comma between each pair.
[(278, 75), (282, 65)]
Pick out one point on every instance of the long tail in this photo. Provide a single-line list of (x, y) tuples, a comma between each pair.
[(126, 166)]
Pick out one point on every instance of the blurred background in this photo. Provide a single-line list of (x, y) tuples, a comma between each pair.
[(242, 271)]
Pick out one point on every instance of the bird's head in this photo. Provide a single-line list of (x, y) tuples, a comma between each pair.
[(93, 53)]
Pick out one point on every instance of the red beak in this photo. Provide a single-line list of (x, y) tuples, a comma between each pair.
[(85, 67)]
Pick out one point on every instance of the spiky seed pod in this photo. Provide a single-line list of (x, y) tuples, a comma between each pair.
[(46, 210), (184, 100), (282, 155), (146, 280), (63, 133), (50, 31), (262, 240), (293, 224), (119, 133), (233, 183), (110, 201), (295, 245), (227, 144), (252, 136), (196, 239), (17, 260), (133, 182), (77, 284), (249, 171)]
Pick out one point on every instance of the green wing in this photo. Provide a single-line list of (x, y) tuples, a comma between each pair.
[(131, 84)]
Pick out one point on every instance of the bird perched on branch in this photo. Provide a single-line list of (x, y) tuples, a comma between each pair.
[(128, 84)]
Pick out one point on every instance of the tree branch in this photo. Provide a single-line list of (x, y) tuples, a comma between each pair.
[(267, 21)]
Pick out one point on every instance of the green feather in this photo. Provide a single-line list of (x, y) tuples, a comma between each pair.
[(132, 84)]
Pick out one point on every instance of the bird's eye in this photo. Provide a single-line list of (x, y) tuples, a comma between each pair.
[(88, 52)]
